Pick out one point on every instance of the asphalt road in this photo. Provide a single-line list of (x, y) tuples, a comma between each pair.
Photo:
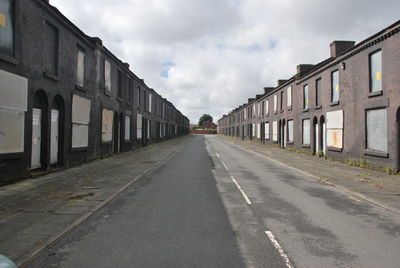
[(216, 205)]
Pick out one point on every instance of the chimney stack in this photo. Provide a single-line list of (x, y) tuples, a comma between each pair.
[(303, 69), (339, 47)]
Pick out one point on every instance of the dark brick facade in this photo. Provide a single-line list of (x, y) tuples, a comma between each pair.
[(49, 89), (338, 129)]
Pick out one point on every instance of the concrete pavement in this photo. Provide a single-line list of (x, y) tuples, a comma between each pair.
[(34, 213)]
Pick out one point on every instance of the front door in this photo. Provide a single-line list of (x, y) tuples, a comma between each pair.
[(316, 141), (36, 138), (54, 136)]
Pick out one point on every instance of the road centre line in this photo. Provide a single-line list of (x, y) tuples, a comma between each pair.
[(241, 190), (218, 155), (355, 199), (223, 163), (279, 248)]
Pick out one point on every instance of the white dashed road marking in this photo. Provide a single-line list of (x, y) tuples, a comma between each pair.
[(223, 163), (279, 248), (241, 190), (218, 155)]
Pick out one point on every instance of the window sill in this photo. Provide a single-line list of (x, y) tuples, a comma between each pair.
[(318, 107), (7, 156), (289, 108), (130, 104), (9, 59), (334, 149), (376, 153), (106, 143), (79, 149), (334, 103), (119, 99), (281, 111), (305, 110), (80, 88), (289, 142), (375, 94), (306, 146), (107, 92), (128, 141), (50, 76)]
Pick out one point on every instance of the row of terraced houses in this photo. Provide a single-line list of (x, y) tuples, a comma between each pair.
[(345, 107), (65, 98)]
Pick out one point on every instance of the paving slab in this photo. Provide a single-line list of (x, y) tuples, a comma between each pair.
[(35, 213)]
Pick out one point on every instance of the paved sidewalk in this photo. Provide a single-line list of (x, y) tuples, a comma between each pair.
[(375, 186), (35, 212)]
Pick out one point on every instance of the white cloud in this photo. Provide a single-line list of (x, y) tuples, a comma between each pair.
[(218, 53)]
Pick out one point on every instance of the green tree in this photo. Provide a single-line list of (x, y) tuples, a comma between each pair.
[(204, 118)]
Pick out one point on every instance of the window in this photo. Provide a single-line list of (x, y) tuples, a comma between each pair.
[(127, 128), (253, 134), (275, 131), (80, 67), (150, 102), (13, 105), (335, 86), (254, 110), (138, 97), (267, 107), (275, 103), (375, 71), (259, 109), (266, 131), (289, 97), (80, 121), (290, 130), (107, 125), (139, 124), (281, 108), (148, 129), (305, 97), (334, 129), (306, 131), (318, 92), (119, 84), (263, 108), (51, 49), (107, 77), (129, 92), (377, 130), (7, 27), (258, 134)]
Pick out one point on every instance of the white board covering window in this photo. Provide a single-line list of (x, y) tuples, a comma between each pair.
[(334, 126), (127, 128), (275, 103), (258, 131), (107, 76), (275, 131), (107, 125), (80, 121), (267, 107), (377, 130), (266, 130), (148, 129), (13, 105), (290, 131), (150, 101), (289, 96), (253, 134), (306, 131), (139, 124)]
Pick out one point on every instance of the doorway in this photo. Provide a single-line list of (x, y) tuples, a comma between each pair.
[(117, 133), (322, 132), (39, 131), (315, 136)]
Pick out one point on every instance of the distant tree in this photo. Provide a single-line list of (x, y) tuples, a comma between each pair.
[(204, 118)]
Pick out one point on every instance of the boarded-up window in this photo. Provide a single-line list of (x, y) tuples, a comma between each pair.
[(13, 105), (377, 130), (254, 110), (80, 67), (129, 90), (107, 125), (253, 134), (334, 126), (267, 108), (258, 131), (150, 102), (290, 130), (148, 129), (281, 102), (107, 76), (127, 128), (119, 84), (306, 131), (139, 124), (266, 131), (51, 49), (305, 97), (375, 71), (335, 86), (289, 97), (7, 27), (80, 121), (275, 131), (275, 103)]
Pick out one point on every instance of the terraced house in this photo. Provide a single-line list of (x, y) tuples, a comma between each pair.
[(347, 106), (65, 98)]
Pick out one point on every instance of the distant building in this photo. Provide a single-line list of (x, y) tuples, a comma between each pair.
[(209, 125), (347, 106)]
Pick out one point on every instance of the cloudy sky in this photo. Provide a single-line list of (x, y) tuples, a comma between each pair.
[(209, 56)]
